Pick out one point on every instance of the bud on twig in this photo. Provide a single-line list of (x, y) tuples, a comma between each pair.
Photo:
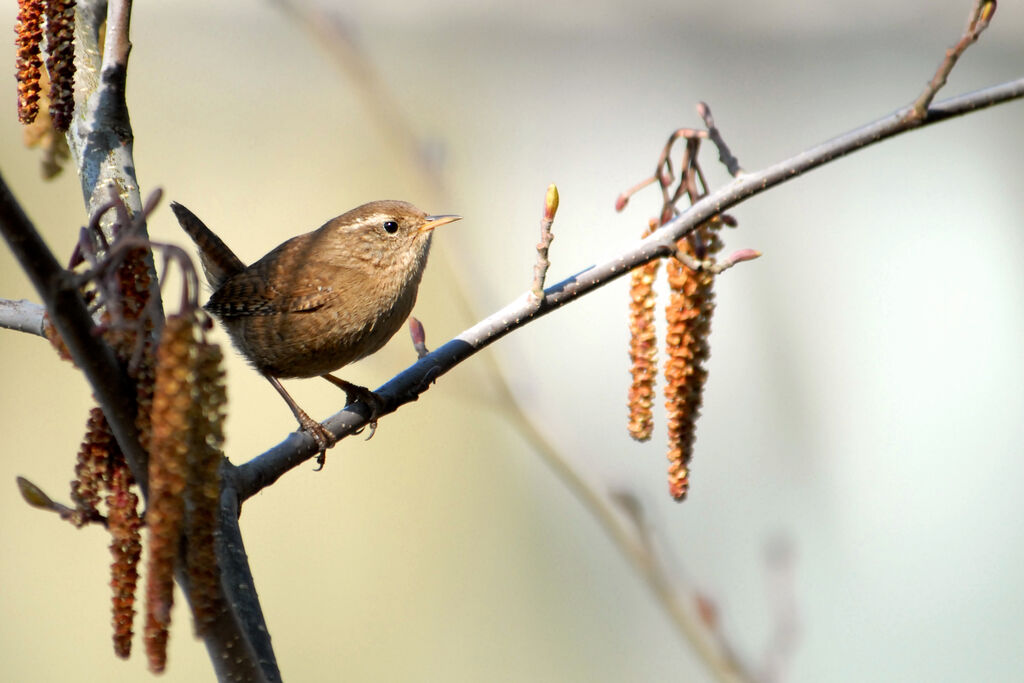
[(540, 270), (419, 337)]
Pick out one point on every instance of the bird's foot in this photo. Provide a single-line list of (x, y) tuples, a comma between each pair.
[(357, 394), (323, 437)]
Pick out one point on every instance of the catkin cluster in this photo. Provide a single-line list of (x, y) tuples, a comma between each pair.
[(181, 404), (688, 327), (60, 59), (101, 468), (28, 61)]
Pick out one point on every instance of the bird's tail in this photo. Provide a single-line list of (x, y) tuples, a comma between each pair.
[(219, 262)]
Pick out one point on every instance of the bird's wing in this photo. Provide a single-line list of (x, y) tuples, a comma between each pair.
[(257, 291)]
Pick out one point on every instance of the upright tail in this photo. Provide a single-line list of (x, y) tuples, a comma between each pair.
[(219, 262)]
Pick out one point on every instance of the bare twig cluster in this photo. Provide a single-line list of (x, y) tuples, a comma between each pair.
[(691, 269)]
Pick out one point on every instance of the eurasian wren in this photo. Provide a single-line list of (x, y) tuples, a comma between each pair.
[(321, 300)]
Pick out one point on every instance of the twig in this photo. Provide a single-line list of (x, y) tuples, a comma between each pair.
[(23, 316), (331, 33), (540, 270), (407, 385), (631, 542), (731, 163), (977, 22), (780, 590)]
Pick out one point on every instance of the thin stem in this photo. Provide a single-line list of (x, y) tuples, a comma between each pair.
[(981, 15)]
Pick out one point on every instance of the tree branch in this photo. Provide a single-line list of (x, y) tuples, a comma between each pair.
[(405, 387), (100, 137), (23, 316)]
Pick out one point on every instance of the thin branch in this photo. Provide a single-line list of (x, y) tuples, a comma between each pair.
[(731, 163), (409, 384), (331, 33), (977, 22), (671, 593), (23, 316)]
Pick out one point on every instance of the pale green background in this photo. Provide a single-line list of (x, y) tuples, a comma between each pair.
[(867, 385)]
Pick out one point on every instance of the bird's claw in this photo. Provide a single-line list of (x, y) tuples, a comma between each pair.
[(357, 394), (323, 437), (373, 428)]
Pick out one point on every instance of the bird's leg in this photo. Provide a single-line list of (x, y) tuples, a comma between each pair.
[(324, 439), (355, 393)]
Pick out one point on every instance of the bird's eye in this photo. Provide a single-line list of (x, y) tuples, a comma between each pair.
[(391, 227)]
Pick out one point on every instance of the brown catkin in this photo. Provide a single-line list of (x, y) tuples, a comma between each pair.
[(125, 526), (92, 468), (40, 133), (101, 465), (643, 348), (172, 401), (56, 341), (28, 62), (145, 379), (60, 60), (202, 494), (688, 317), (134, 279)]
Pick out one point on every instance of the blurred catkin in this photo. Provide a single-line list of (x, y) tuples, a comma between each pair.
[(172, 402)]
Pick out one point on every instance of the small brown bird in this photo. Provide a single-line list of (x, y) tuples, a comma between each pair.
[(321, 300)]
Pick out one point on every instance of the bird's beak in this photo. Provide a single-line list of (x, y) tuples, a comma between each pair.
[(435, 221)]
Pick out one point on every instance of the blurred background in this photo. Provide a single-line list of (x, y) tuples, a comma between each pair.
[(854, 511)]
